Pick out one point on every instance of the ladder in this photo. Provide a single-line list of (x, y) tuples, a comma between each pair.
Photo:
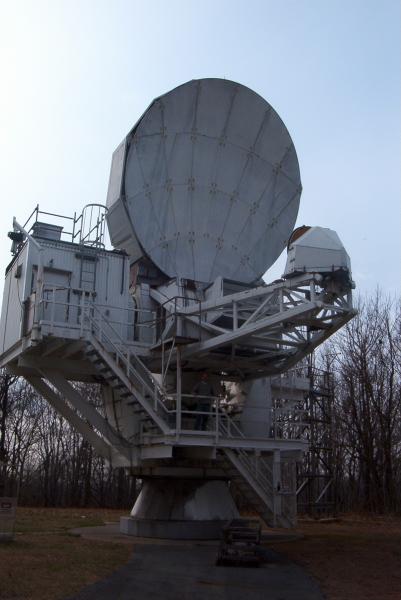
[(87, 276)]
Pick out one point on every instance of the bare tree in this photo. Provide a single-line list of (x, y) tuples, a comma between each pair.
[(365, 358), (6, 381)]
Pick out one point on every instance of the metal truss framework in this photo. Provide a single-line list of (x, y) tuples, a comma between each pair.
[(259, 332), (254, 333), (315, 473)]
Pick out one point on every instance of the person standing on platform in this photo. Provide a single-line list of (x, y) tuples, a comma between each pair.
[(205, 395)]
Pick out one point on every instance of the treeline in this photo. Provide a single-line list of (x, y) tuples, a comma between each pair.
[(365, 359), (51, 465), (46, 462)]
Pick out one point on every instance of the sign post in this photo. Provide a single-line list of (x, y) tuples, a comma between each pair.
[(8, 509)]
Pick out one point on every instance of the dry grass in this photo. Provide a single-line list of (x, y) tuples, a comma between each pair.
[(62, 519), (353, 558), (44, 562)]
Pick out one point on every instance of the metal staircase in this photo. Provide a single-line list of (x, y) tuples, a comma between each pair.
[(253, 477), (125, 372)]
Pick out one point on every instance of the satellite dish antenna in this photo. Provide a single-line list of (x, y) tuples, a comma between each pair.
[(204, 188), (206, 184)]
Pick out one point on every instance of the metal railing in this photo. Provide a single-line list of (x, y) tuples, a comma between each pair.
[(87, 228), (56, 312), (194, 419), (117, 337), (259, 468), (280, 496), (133, 367)]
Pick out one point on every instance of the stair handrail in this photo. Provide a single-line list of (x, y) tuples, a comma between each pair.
[(155, 390), (227, 431), (288, 510), (256, 470), (260, 470), (243, 456), (263, 467)]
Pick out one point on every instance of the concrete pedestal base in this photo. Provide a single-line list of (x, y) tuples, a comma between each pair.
[(180, 509)]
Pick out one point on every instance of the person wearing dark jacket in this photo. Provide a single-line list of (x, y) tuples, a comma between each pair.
[(205, 394)]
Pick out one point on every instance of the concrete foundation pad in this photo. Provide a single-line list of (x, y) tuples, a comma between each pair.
[(170, 529), (111, 532)]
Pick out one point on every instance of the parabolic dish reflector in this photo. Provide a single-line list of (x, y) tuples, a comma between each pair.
[(207, 183)]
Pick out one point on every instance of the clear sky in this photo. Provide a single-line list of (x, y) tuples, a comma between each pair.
[(76, 75)]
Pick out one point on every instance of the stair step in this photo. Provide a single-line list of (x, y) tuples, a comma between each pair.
[(94, 361), (106, 369), (116, 384), (114, 373), (106, 375)]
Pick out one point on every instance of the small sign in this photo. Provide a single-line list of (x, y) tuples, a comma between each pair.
[(8, 507)]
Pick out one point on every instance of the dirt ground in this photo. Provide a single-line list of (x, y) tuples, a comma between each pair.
[(353, 558)]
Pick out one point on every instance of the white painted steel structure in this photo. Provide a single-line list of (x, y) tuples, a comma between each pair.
[(73, 311)]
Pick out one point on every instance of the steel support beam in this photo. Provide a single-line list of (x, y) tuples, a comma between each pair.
[(88, 412), (59, 404), (243, 332)]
